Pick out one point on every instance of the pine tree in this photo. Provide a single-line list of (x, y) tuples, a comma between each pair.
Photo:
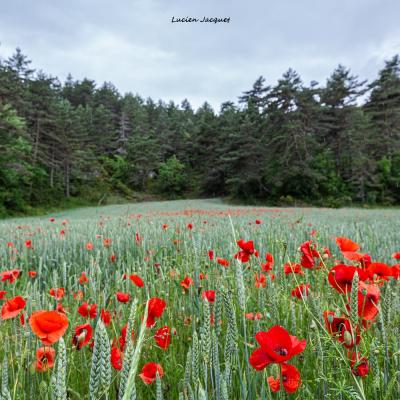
[(15, 163), (383, 106), (338, 99), (290, 142)]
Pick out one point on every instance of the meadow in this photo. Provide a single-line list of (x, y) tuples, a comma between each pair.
[(200, 300)]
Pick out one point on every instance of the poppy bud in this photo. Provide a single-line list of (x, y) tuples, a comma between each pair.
[(348, 339), (330, 319)]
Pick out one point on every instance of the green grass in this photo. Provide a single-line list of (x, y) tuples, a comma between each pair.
[(59, 262)]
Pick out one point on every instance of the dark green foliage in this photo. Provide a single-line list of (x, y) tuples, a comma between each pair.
[(15, 170), (332, 144), (171, 178)]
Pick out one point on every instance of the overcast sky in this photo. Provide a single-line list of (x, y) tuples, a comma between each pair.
[(134, 44)]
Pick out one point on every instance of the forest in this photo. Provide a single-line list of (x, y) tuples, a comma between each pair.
[(330, 144)]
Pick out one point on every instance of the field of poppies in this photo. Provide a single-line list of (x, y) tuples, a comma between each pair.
[(199, 300)]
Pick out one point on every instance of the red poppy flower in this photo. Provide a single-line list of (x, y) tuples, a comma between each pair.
[(277, 346), (259, 280), (327, 253), (341, 277), (60, 308), (83, 278), (258, 222), (346, 244), (333, 323), (209, 295), (89, 246), (123, 297), (149, 372), (396, 255), (113, 258), (349, 250), (270, 262), (210, 254), (116, 358), (156, 308), (28, 244), (165, 227), (252, 316), (78, 295), (105, 316), (379, 271), (163, 337), (301, 291), (58, 293), (247, 249), (293, 268), (258, 316), (122, 338), (291, 379), (361, 258), (45, 357), (107, 242), (187, 282), (83, 334), (349, 337), (368, 297), (2, 294), (223, 262), (48, 326), (396, 271), (340, 327), (308, 254), (11, 308), (10, 275), (189, 226), (32, 274), (137, 280), (87, 310), (359, 365), (137, 238)]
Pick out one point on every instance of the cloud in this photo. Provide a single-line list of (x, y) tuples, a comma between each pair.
[(134, 45)]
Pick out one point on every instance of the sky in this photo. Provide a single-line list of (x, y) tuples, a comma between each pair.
[(134, 45)]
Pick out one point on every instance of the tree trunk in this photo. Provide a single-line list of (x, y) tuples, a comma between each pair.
[(52, 169), (35, 153), (67, 179)]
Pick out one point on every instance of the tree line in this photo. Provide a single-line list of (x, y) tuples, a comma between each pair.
[(332, 144)]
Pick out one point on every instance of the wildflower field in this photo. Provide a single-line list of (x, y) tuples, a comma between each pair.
[(200, 300)]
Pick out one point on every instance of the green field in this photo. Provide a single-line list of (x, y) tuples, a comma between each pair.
[(211, 342)]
